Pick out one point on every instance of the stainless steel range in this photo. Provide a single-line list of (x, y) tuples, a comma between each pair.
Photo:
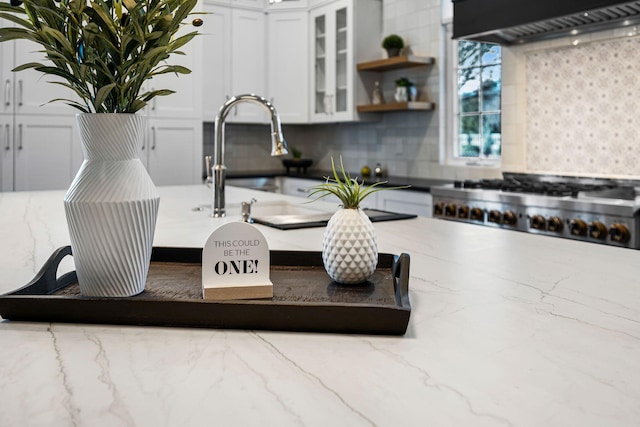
[(605, 211)]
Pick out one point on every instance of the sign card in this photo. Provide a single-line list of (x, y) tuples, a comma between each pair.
[(235, 263)]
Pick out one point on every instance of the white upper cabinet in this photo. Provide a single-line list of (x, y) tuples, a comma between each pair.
[(28, 91), (301, 59), (287, 61), (341, 33), (234, 57), (216, 58), (248, 63), (187, 99)]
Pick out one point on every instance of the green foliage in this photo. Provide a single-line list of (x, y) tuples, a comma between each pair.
[(404, 82), (393, 41), (297, 154), (104, 50), (348, 190)]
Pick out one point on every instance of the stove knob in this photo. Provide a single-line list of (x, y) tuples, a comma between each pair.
[(619, 233), (578, 227), (538, 222), (463, 212), (450, 209), (597, 230), (477, 214), (509, 218), (555, 224), (495, 216)]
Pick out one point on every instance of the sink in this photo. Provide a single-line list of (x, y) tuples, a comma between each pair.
[(285, 215)]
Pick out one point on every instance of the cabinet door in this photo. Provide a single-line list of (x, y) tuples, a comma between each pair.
[(6, 76), (216, 58), (174, 151), (6, 162), (319, 106), (32, 90), (406, 201), (248, 62), (187, 99), (332, 47), (47, 153), (288, 82)]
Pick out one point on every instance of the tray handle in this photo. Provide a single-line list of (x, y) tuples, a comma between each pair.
[(401, 279), (45, 281)]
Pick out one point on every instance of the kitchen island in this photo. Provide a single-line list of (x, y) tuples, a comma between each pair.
[(506, 329)]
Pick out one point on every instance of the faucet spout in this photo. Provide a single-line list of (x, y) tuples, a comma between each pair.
[(278, 144)]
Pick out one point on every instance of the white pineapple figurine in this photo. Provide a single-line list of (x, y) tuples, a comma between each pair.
[(349, 246)]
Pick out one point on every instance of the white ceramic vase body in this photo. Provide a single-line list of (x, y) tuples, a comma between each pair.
[(111, 207), (349, 247)]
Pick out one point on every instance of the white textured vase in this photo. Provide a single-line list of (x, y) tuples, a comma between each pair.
[(111, 207), (349, 247)]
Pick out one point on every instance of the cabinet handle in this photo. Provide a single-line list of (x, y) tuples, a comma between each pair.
[(19, 93), (7, 93), (153, 137), (7, 144), (20, 136)]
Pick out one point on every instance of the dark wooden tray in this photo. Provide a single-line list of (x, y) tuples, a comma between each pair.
[(305, 298)]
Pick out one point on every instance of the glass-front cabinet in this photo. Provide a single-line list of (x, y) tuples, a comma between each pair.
[(335, 48), (332, 65)]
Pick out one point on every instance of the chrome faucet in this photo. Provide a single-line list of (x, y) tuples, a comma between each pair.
[(278, 145)]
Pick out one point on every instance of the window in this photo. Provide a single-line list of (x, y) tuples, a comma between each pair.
[(474, 83)]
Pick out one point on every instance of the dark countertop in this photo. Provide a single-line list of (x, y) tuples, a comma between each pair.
[(417, 184)]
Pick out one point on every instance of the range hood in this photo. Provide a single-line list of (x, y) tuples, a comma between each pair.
[(510, 22)]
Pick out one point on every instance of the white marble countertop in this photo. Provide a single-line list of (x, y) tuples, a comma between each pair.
[(506, 329)]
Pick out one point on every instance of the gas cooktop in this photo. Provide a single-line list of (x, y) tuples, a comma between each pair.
[(583, 208)]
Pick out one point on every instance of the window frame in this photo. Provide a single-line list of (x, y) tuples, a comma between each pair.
[(451, 112)]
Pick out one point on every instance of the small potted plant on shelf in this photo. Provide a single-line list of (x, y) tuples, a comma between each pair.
[(393, 44), (105, 51), (405, 90), (349, 245)]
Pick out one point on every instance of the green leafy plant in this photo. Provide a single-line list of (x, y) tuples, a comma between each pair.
[(393, 41), (404, 82), (104, 50), (297, 154), (348, 190)]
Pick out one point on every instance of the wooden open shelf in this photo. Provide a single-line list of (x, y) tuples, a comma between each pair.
[(396, 62), (397, 106)]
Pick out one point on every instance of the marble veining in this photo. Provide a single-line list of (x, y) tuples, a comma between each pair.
[(506, 329)]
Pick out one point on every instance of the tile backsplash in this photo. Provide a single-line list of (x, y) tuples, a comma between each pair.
[(582, 104)]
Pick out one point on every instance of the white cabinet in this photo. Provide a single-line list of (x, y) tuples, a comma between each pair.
[(342, 33), (301, 187), (248, 63), (288, 60), (40, 143), (406, 201), (399, 201), (46, 152), (187, 99), (6, 161), (216, 58), (234, 61), (170, 153)]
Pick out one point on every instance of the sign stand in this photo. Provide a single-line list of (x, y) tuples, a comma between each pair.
[(236, 264)]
